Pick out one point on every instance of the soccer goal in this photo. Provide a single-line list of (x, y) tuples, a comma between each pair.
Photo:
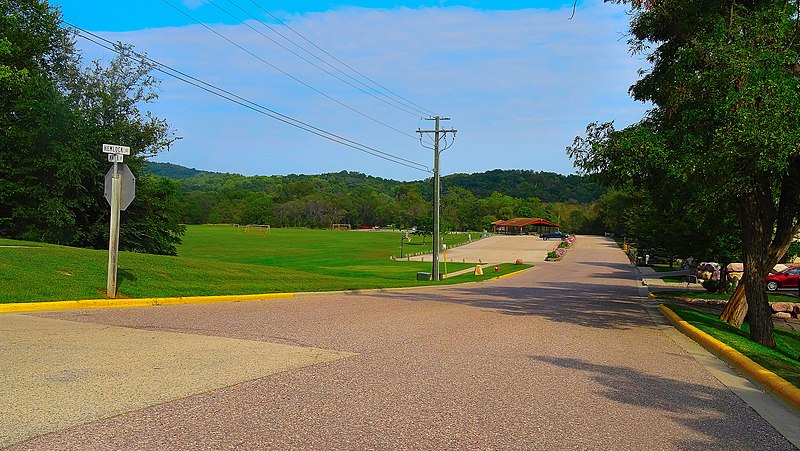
[(341, 227), (262, 229)]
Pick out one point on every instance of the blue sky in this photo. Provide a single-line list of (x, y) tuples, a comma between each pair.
[(518, 79)]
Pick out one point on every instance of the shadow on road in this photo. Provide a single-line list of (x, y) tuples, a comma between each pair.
[(594, 305), (709, 411)]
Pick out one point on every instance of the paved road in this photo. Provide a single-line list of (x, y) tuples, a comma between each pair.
[(562, 356)]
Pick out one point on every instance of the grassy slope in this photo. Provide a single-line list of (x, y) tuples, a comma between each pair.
[(218, 260), (783, 361), (773, 297)]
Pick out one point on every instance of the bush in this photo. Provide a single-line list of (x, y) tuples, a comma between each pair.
[(552, 254), (712, 286)]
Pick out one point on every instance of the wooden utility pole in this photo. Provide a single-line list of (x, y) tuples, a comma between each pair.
[(438, 135)]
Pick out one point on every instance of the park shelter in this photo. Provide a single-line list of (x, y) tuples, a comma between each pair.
[(522, 226)]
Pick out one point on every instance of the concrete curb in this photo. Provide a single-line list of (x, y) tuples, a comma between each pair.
[(757, 373), (140, 302)]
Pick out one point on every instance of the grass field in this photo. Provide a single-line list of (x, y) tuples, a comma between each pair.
[(783, 361), (773, 297), (215, 260)]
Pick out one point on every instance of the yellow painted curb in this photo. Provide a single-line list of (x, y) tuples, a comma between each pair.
[(510, 274), (140, 302), (779, 386)]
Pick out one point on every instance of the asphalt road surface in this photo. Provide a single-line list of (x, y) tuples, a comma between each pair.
[(562, 356)]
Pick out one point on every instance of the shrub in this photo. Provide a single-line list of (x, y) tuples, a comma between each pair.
[(712, 286)]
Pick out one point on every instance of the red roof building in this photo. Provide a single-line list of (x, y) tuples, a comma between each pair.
[(521, 226)]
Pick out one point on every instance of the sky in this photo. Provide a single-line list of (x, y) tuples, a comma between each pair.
[(518, 79)]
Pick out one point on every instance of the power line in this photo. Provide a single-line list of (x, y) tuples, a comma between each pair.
[(393, 105), (428, 112), (406, 106), (287, 73), (254, 106)]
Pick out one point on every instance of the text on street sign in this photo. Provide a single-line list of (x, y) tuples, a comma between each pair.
[(113, 148)]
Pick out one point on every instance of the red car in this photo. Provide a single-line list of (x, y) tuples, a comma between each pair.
[(785, 279)]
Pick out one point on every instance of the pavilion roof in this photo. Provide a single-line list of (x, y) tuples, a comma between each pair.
[(522, 222)]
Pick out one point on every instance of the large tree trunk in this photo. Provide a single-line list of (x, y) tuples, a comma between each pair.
[(736, 308), (757, 218), (767, 231)]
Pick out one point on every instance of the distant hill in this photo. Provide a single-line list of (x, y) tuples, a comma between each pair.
[(518, 183), (547, 186), (172, 171)]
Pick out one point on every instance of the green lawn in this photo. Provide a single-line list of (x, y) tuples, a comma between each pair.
[(216, 260), (706, 295), (783, 361), (664, 267)]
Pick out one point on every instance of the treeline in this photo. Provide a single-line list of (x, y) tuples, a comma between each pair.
[(518, 183), (360, 200), (55, 114)]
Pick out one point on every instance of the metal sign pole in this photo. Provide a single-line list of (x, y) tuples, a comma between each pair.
[(114, 197), (113, 235)]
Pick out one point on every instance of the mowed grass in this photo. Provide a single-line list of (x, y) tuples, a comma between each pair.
[(217, 260), (773, 297), (783, 361)]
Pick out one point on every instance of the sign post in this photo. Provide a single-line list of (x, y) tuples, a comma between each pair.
[(115, 156)]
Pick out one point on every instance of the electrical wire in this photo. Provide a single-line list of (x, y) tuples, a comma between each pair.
[(254, 106), (232, 42), (419, 108), (391, 102)]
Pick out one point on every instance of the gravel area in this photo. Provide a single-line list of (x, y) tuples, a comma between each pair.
[(559, 357)]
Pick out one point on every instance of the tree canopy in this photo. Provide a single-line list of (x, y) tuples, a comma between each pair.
[(56, 114), (724, 129)]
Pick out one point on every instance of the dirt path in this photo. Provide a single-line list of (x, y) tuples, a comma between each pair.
[(560, 357)]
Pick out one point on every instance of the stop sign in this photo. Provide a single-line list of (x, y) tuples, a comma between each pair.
[(128, 188)]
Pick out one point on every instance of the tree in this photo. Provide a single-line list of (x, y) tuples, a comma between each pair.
[(54, 119), (724, 128), (458, 209)]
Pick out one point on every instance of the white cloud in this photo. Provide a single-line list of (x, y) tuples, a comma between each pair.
[(518, 84)]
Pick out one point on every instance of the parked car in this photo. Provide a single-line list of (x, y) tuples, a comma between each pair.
[(553, 234), (784, 279)]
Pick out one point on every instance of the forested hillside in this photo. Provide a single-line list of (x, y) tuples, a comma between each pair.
[(469, 201), (173, 171), (545, 186)]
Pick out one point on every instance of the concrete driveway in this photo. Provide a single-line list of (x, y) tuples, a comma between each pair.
[(548, 359), (499, 249)]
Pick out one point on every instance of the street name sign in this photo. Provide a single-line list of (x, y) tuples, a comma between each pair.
[(119, 150)]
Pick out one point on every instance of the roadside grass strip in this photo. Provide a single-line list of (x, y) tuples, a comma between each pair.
[(218, 261), (773, 297), (776, 370)]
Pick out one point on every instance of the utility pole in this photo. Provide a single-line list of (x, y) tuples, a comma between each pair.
[(438, 136)]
